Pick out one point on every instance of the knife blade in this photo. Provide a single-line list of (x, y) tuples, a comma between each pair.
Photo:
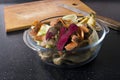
[(110, 22)]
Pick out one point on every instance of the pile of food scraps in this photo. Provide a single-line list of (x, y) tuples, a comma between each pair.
[(64, 34)]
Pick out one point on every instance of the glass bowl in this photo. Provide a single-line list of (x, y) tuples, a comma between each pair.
[(86, 54)]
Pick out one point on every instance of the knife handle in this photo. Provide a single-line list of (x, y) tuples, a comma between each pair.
[(110, 22)]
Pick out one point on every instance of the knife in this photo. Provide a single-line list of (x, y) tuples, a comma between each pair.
[(110, 22)]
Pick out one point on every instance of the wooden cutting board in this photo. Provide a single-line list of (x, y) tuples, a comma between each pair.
[(21, 16)]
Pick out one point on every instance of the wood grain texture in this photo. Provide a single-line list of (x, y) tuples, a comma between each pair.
[(20, 16)]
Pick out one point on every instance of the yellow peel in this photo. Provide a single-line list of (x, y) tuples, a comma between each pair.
[(71, 17), (43, 30), (83, 21)]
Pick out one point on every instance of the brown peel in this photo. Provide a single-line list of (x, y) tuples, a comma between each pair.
[(39, 38), (80, 34), (75, 38), (54, 22), (62, 22), (85, 29), (37, 26), (71, 46)]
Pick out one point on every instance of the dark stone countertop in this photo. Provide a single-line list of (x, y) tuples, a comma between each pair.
[(18, 62)]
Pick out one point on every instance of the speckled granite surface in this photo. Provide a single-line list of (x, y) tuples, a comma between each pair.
[(18, 62)]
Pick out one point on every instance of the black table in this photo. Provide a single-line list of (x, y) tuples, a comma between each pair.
[(18, 62)]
